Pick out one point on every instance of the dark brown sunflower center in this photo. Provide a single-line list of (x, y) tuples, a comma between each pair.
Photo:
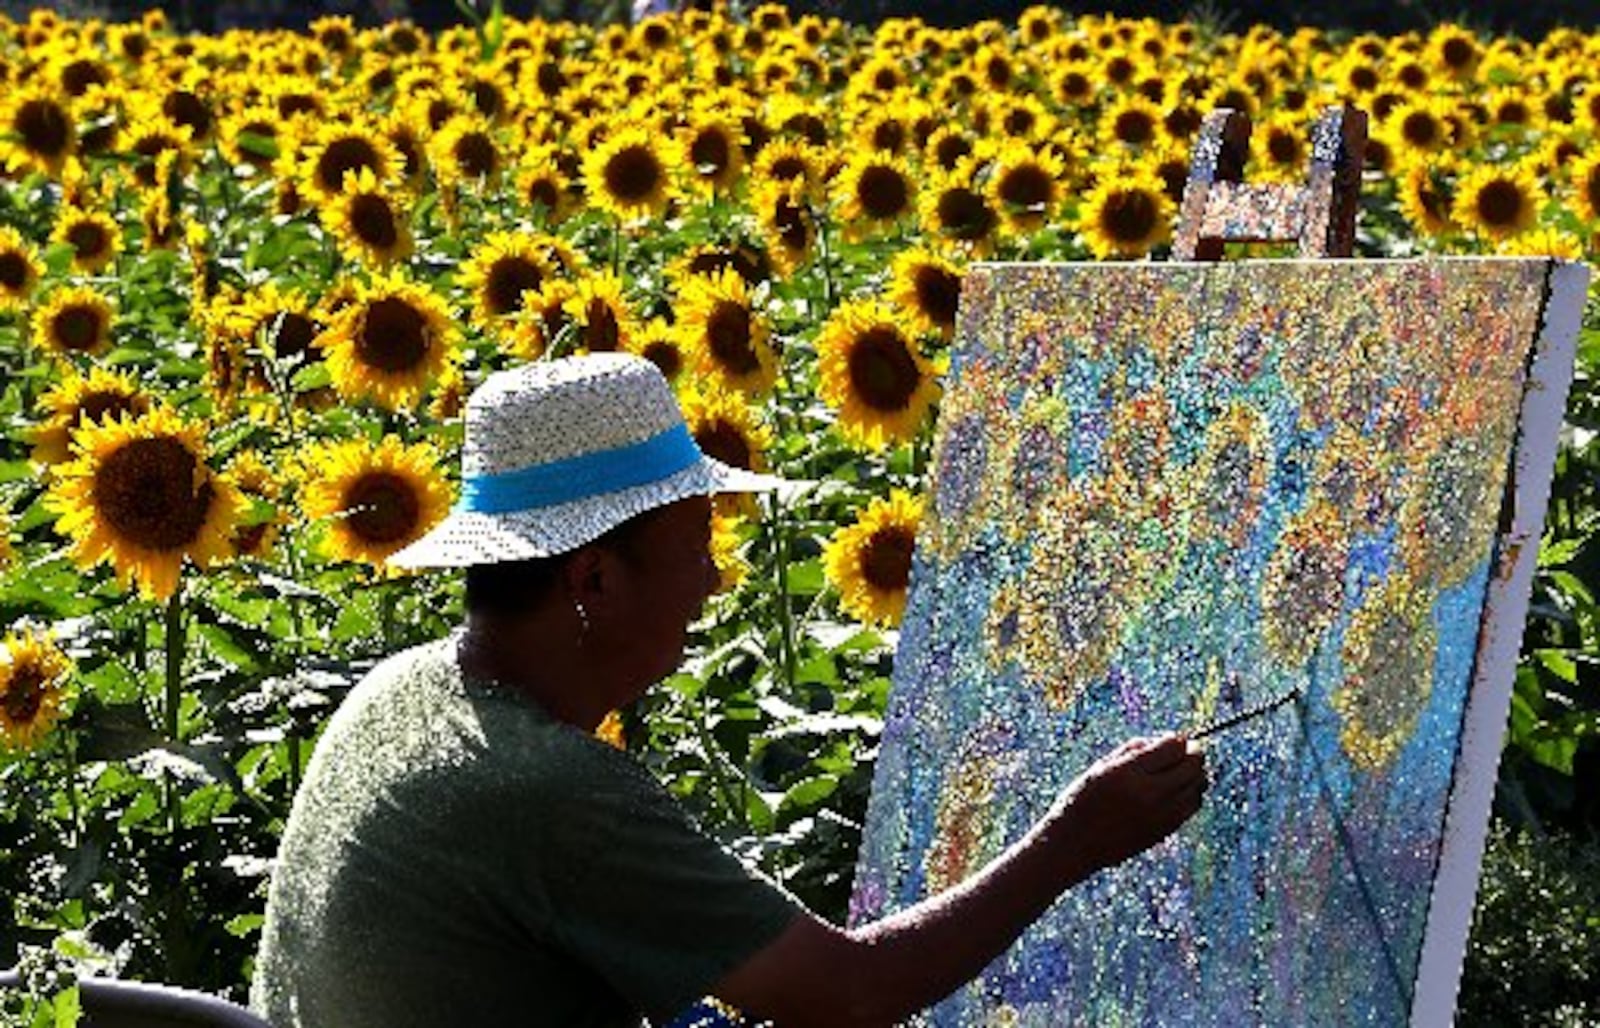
[(1134, 127), (291, 104), (725, 442), (883, 192), (601, 333), (950, 149), (383, 508), (248, 539), (77, 328), (938, 291), (1513, 112), (633, 174), (665, 356), (1019, 121), (728, 333), (77, 77), (292, 334), (1364, 78), (886, 559), (88, 239), (793, 230), (542, 192), (476, 156), (372, 220), (882, 371), (965, 214), (342, 155), (1026, 186), (508, 278), (1499, 203), (1458, 53), (788, 168), (185, 108), (1284, 148), (1120, 69), (24, 694), (710, 152), (44, 127), (1129, 216), (145, 490), (1074, 85), (889, 135), (105, 404), (1420, 129), (394, 336), (13, 271), (487, 99)]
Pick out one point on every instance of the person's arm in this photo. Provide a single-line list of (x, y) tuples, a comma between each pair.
[(815, 973)]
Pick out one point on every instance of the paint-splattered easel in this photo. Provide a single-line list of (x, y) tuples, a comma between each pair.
[(1219, 207)]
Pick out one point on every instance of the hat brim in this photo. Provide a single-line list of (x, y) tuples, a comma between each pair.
[(466, 538)]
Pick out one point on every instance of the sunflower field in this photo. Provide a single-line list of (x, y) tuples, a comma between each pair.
[(247, 280)]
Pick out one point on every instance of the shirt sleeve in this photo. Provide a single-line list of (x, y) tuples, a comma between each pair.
[(645, 898)]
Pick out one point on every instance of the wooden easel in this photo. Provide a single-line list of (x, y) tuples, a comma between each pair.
[(1219, 207)]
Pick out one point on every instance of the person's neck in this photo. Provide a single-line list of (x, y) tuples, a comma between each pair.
[(543, 661)]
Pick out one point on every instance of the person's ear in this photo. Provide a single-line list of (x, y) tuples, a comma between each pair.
[(591, 576)]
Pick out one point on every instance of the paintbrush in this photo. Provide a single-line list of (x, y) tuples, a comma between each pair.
[(1247, 714)]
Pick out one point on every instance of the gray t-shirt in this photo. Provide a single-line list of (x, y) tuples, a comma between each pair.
[(457, 857)]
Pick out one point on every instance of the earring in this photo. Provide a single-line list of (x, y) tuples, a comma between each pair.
[(583, 619)]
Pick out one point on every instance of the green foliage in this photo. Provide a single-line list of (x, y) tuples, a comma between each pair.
[(1535, 956)]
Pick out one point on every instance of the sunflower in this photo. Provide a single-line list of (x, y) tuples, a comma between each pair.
[(1583, 178), (333, 150), (1498, 200), (465, 151), (1281, 149), (391, 343), (368, 219), (873, 374), (543, 187), (139, 496), (725, 335), (258, 528), (33, 673), (726, 426), (631, 173), (541, 324), (36, 131), (927, 287), (500, 272), (73, 320), (1426, 190), (1132, 122), (878, 191), (869, 561), (1419, 125), (786, 223), (20, 269), (1025, 184), (147, 137), (1542, 242), (713, 147), (93, 237), (373, 500), (788, 162), (726, 540), (658, 343), (78, 400), (1453, 51), (947, 148), (604, 320), (960, 216), (1126, 214)]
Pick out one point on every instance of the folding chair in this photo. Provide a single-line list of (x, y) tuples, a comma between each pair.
[(113, 1003)]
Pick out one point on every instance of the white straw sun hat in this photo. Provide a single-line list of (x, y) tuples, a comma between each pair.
[(559, 452)]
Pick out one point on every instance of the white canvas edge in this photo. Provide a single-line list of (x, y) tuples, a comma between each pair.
[(1466, 823)]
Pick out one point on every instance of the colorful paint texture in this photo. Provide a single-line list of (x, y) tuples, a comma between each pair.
[(1165, 493)]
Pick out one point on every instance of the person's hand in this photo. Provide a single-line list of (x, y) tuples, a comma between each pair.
[(1131, 798)]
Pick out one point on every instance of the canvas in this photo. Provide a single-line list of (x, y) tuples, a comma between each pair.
[(1164, 493)]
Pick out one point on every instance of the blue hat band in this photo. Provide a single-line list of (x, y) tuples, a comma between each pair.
[(582, 477)]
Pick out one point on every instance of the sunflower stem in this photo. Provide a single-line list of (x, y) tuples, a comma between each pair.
[(780, 553), (702, 731), (616, 244), (71, 747), (173, 641), (825, 259)]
